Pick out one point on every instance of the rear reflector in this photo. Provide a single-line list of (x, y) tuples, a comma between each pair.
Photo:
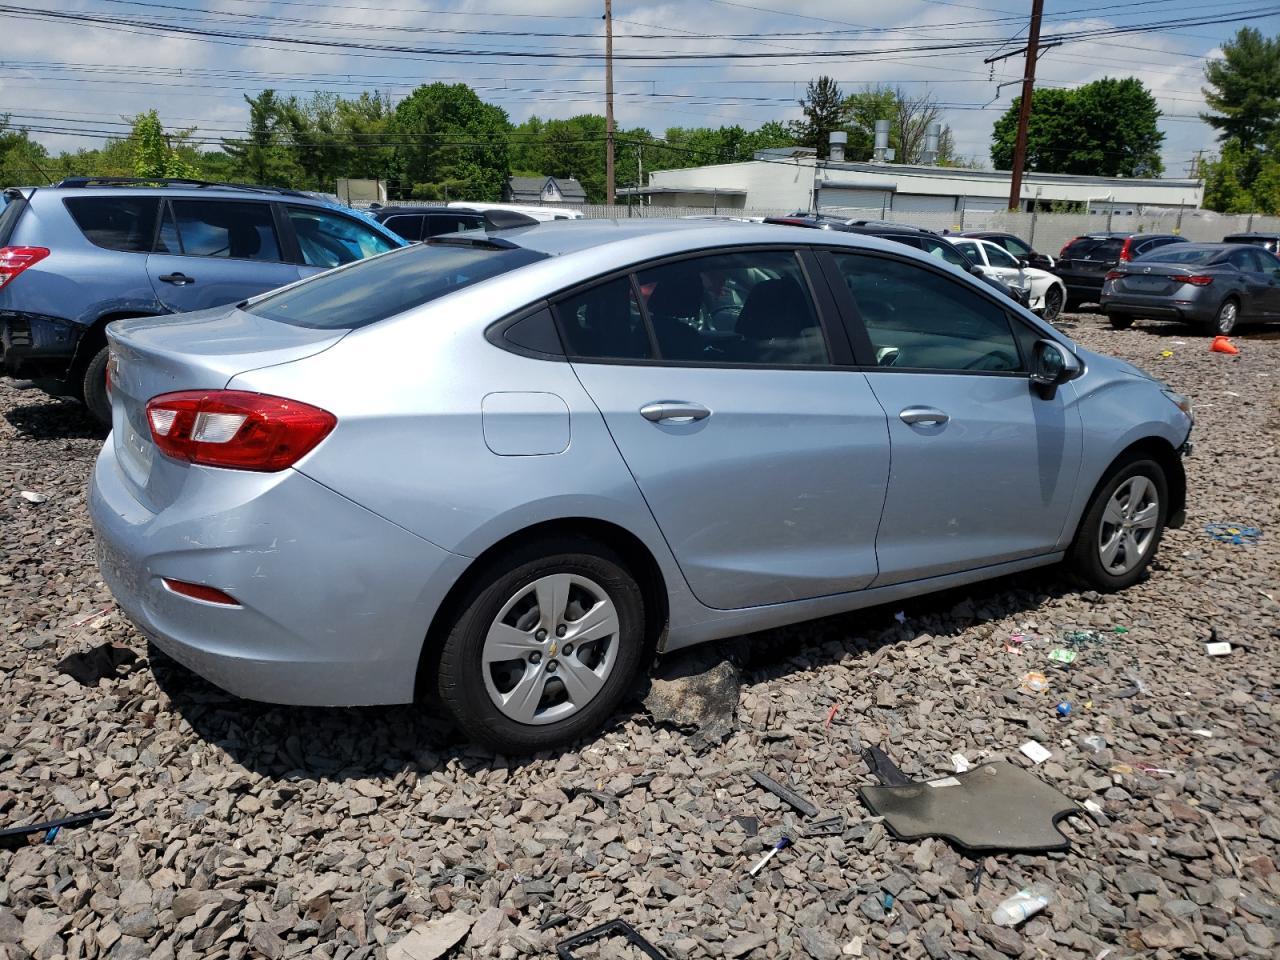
[(236, 429), (198, 591), (13, 260)]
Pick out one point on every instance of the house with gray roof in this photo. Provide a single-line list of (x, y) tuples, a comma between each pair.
[(564, 190)]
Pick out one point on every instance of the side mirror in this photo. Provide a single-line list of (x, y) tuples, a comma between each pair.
[(976, 269), (1052, 364), (1025, 261)]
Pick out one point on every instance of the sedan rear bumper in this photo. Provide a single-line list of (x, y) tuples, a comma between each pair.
[(1159, 308), (335, 602)]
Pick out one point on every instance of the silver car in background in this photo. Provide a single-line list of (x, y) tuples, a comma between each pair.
[(507, 467)]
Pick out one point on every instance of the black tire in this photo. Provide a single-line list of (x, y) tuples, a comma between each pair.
[(1120, 321), (94, 388), (460, 677), (1084, 558), (1227, 319), (1053, 300), (1071, 306)]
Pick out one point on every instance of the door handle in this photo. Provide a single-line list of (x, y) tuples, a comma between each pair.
[(915, 415), (674, 411), (178, 279)]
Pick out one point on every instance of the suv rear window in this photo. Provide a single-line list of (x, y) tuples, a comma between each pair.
[(117, 223), (383, 286), (1094, 248)]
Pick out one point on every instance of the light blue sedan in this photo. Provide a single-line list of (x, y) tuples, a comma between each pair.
[(507, 467)]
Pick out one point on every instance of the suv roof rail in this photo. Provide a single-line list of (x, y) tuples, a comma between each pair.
[(173, 182)]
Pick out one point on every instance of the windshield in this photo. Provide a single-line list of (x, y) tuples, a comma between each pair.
[(384, 286), (1180, 254)]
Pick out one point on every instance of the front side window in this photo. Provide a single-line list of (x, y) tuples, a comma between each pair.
[(406, 226), (744, 308), (999, 257), (943, 250), (1014, 246), (229, 229), (919, 319), (117, 223), (604, 322), (329, 239)]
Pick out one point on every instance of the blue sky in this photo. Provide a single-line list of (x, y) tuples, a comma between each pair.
[(85, 78)]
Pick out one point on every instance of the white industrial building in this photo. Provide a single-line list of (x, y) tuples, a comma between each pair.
[(792, 178)]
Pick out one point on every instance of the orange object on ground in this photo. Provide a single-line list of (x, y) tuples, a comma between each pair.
[(1224, 345)]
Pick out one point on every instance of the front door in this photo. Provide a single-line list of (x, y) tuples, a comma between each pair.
[(215, 252), (983, 467), (763, 463)]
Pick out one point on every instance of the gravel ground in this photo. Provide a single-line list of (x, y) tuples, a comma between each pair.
[(241, 830)]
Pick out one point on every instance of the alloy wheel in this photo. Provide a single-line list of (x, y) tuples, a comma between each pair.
[(550, 649), (1128, 526), (1227, 314), (1052, 305)]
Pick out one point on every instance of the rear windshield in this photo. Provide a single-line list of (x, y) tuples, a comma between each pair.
[(1095, 248), (392, 283), (1177, 253)]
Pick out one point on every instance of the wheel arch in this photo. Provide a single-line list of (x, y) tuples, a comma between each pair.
[(1162, 452), (639, 560), (94, 339)]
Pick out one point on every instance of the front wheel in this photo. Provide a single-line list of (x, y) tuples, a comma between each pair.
[(1053, 300), (94, 388), (1121, 530), (547, 643)]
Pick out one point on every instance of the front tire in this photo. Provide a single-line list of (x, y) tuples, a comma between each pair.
[(1121, 530), (94, 388), (548, 642), (1053, 299)]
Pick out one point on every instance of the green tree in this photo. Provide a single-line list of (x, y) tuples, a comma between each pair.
[(452, 143), (1243, 180), (824, 112), (1106, 128), (1244, 89), (22, 160), (153, 154), (264, 156)]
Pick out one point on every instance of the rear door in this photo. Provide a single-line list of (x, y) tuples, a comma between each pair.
[(763, 460), (211, 252), (1260, 284), (983, 468)]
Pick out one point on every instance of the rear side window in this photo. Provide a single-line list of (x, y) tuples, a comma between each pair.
[(226, 228), (117, 223), (382, 287), (604, 322), (441, 223), (1149, 245), (407, 226), (970, 250), (919, 319), (1094, 248), (942, 250), (1199, 255)]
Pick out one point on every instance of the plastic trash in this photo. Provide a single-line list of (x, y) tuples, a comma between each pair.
[(1062, 655), (1092, 744), (1034, 752), (1035, 682), (1023, 904), (1218, 649), (32, 497), (1063, 709)]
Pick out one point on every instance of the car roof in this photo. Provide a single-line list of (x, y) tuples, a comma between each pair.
[(390, 211), (1258, 234)]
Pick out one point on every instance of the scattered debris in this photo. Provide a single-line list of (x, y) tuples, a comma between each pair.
[(1137, 688), (1223, 344), (1063, 709), (900, 616), (1219, 648), (995, 806), (575, 912), (883, 768), (785, 794), (1092, 743), (1207, 734), (1093, 807), (831, 827), (11, 837), (959, 762), (433, 939), (783, 842), (831, 715), (614, 928), (750, 825), (975, 877), (1062, 655), (1023, 904), (696, 690), (32, 497), (1165, 354), (1034, 752), (107, 660), (1241, 534), (887, 902), (1035, 682)]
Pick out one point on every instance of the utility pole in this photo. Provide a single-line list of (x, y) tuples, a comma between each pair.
[(1024, 113), (609, 193)]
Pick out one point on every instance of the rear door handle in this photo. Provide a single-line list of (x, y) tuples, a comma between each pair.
[(180, 279), (674, 411), (923, 415)]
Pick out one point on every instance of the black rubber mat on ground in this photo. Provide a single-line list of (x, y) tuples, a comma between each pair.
[(996, 806)]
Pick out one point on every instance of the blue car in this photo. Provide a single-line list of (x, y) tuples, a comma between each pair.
[(78, 255)]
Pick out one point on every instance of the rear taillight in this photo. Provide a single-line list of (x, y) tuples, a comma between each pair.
[(1066, 246), (13, 260), (1126, 250), (236, 429), (1195, 279), (1115, 274)]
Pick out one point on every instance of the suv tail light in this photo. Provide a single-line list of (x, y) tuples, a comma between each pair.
[(13, 260), (1126, 250), (1195, 279), (1067, 246), (236, 429)]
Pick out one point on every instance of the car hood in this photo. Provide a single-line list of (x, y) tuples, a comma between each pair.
[(1100, 361)]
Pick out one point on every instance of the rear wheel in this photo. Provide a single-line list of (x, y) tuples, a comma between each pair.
[(547, 643), (1122, 528), (1071, 306), (1053, 299), (1120, 321), (94, 388), (1228, 315)]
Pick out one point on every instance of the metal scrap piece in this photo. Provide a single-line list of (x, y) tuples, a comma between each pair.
[(785, 794), (614, 928)]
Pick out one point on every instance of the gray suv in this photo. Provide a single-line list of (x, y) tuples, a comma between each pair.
[(78, 255)]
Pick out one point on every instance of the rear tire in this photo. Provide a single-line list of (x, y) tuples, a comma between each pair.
[(94, 388), (1122, 528), (1120, 321), (1227, 318), (579, 582), (1071, 306), (1053, 299)]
